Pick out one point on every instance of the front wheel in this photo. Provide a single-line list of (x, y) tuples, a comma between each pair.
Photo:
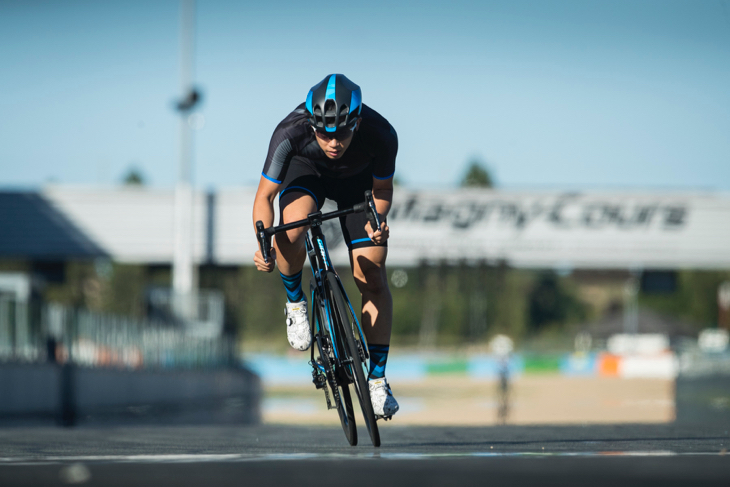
[(335, 380), (342, 313)]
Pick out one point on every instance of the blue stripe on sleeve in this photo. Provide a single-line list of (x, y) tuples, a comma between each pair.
[(386, 177), (271, 179), (359, 240)]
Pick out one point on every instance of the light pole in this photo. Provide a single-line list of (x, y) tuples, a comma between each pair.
[(723, 305), (184, 286), (631, 304)]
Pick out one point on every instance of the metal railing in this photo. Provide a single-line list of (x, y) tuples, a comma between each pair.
[(203, 309), (39, 332)]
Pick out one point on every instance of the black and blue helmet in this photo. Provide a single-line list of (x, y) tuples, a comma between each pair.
[(334, 103)]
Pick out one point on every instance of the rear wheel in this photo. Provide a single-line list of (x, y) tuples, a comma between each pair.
[(343, 316), (340, 393)]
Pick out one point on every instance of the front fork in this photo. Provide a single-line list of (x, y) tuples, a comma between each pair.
[(318, 277), (362, 350), (320, 375)]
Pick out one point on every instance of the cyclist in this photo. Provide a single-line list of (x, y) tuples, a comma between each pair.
[(332, 146)]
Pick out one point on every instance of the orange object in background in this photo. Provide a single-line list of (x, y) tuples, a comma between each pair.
[(608, 365)]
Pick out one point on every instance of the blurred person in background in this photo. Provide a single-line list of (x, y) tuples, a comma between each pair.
[(332, 146)]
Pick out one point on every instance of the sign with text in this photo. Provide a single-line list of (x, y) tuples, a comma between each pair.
[(550, 229), (569, 230)]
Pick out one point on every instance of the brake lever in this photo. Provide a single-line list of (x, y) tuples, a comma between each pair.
[(372, 212), (263, 239)]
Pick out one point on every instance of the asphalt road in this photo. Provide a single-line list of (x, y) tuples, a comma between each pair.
[(281, 455)]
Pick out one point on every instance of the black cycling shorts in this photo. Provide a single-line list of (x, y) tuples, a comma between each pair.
[(304, 178)]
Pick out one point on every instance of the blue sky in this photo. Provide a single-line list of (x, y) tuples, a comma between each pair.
[(569, 94)]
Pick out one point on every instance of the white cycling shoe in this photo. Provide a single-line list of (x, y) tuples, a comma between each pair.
[(297, 325), (384, 404)]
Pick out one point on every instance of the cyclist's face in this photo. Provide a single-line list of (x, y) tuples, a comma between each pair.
[(335, 147)]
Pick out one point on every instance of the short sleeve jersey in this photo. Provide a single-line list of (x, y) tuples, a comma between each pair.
[(374, 145)]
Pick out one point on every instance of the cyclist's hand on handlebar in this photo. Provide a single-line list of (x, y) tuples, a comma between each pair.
[(379, 237), (258, 259)]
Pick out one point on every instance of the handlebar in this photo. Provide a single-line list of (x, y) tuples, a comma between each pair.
[(264, 240), (372, 212), (263, 235)]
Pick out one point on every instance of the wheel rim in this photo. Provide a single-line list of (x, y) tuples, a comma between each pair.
[(343, 401), (357, 371)]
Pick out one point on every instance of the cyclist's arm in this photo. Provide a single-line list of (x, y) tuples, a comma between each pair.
[(384, 167), (383, 195), (263, 204), (263, 209)]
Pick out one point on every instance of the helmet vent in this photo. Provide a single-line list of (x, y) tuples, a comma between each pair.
[(317, 119), (330, 113)]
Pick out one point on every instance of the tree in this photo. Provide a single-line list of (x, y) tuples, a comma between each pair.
[(551, 302), (133, 177), (477, 176)]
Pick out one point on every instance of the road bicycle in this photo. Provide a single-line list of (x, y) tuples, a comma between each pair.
[(339, 353)]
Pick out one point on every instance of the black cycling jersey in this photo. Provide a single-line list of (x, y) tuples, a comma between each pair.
[(374, 144)]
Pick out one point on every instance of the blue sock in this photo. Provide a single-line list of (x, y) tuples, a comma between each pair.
[(378, 358), (293, 285)]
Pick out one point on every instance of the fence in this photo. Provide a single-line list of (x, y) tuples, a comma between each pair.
[(40, 332)]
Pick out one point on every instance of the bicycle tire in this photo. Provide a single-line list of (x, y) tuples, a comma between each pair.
[(342, 312), (340, 393)]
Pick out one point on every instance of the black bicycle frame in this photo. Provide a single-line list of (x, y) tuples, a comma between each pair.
[(319, 258), (320, 263)]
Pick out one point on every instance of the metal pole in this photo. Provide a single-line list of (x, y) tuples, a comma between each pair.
[(183, 275), (631, 305), (723, 305)]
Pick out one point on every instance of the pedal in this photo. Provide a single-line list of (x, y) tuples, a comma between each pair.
[(318, 378), (319, 381)]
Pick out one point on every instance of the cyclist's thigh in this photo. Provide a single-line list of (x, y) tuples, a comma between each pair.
[(302, 192), (348, 192)]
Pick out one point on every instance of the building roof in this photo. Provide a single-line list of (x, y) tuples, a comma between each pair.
[(32, 228)]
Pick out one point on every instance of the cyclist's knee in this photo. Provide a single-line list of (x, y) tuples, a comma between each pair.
[(293, 237), (372, 280), (368, 266)]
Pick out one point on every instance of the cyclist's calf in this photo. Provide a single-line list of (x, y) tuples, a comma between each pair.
[(377, 303)]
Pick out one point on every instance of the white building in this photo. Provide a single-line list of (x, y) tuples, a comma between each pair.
[(542, 229)]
